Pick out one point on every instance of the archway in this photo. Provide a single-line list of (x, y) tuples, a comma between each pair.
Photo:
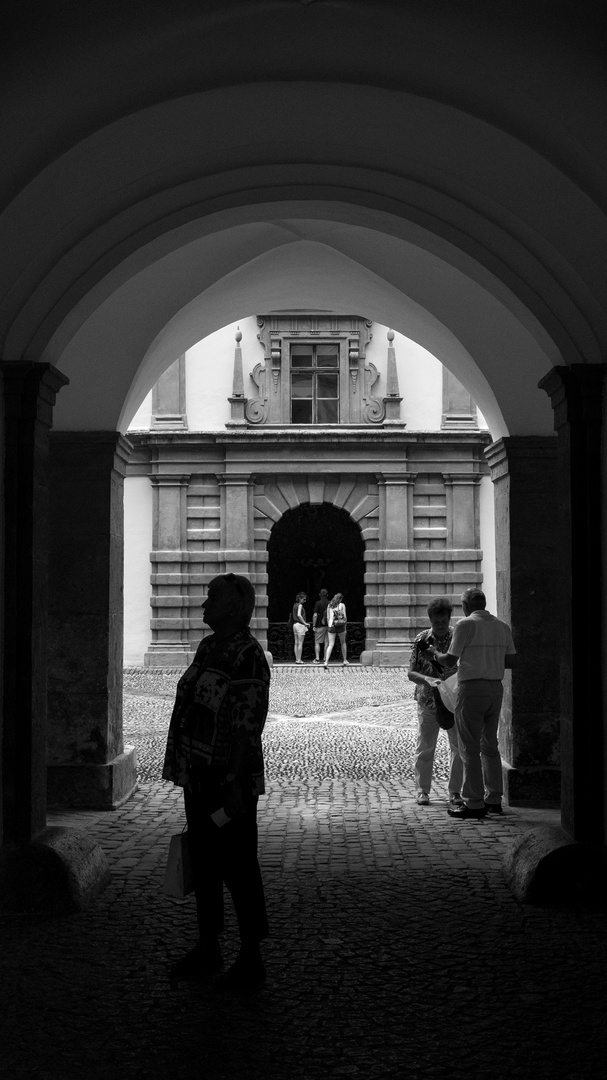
[(314, 547)]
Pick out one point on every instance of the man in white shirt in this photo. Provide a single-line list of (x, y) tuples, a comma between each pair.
[(483, 647)]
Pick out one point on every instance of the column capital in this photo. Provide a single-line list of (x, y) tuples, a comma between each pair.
[(30, 389), (462, 478), (507, 453), (396, 478), (576, 393), (235, 479), (169, 479), (98, 448)]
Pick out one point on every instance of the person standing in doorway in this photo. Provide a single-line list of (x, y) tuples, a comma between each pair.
[(426, 673), (319, 624), (336, 625), (214, 752), (300, 625), (482, 647)]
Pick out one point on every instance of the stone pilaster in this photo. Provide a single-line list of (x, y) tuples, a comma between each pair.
[(393, 558), (41, 869), (88, 765), (29, 395), (169, 399), (524, 474), (236, 521), (463, 522), (577, 393), (170, 636)]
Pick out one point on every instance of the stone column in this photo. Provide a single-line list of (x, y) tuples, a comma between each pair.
[(41, 869), (524, 473), (170, 616), (576, 393), (88, 765)]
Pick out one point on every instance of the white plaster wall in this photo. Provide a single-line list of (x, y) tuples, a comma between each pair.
[(487, 525), (137, 568), (209, 370), (419, 379)]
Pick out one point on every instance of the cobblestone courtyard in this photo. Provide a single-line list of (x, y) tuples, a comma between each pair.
[(397, 949)]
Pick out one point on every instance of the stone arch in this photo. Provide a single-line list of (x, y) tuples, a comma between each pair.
[(315, 545)]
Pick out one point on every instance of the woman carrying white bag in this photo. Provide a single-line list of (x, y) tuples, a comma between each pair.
[(429, 676)]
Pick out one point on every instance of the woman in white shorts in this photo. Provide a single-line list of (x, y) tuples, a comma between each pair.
[(300, 625)]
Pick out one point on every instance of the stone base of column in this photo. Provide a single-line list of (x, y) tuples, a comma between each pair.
[(93, 786), (59, 872), (180, 656), (535, 786), (387, 654), (545, 866)]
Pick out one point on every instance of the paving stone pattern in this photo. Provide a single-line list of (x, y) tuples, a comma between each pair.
[(397, 950)]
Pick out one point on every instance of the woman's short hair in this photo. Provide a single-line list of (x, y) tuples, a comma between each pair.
[(440, 606), (301, 596), (337, 599), (243, 593)]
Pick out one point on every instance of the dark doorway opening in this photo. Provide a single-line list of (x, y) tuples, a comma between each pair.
[(314, 547)]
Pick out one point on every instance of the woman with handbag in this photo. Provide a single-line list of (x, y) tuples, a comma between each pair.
[(214, 752), (336, 625)]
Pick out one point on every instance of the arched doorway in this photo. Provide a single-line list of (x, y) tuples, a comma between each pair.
[(314, 547)]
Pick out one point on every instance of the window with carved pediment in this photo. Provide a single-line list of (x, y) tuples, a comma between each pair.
[(314, 372)]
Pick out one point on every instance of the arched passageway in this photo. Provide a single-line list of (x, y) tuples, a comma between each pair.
[(460, 204), (314, 547)]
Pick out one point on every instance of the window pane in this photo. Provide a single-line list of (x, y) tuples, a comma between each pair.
[(301, 412), (301, 356), (327, 412), (326, 387), (327, 355), (301, 386)]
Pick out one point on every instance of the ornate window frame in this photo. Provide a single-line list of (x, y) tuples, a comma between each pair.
[(272, 376)]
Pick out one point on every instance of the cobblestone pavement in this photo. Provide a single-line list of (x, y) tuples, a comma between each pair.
[(397, 950)]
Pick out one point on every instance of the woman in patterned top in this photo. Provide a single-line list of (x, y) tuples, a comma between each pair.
[(427, 675), (214, 752)]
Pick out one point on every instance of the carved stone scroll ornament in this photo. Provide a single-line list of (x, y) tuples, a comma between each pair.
[(256, 410), (374, 410)]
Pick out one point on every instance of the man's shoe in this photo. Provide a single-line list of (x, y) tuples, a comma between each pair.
[(493, 807), (198, 963), (467, 812), (455, 799), (423, 799)]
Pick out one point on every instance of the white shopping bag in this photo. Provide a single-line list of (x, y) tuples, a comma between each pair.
[(178, 873), (448, 692)]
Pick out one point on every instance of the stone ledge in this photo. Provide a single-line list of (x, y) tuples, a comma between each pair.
[(59, 872)]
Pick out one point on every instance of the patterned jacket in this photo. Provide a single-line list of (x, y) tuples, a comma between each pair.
[(420, 661), (220, 711)]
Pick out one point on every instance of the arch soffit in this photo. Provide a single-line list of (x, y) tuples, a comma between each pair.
[(449, 314), (475, 187)]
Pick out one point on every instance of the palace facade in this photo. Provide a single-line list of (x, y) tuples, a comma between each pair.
[(307, 451)]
